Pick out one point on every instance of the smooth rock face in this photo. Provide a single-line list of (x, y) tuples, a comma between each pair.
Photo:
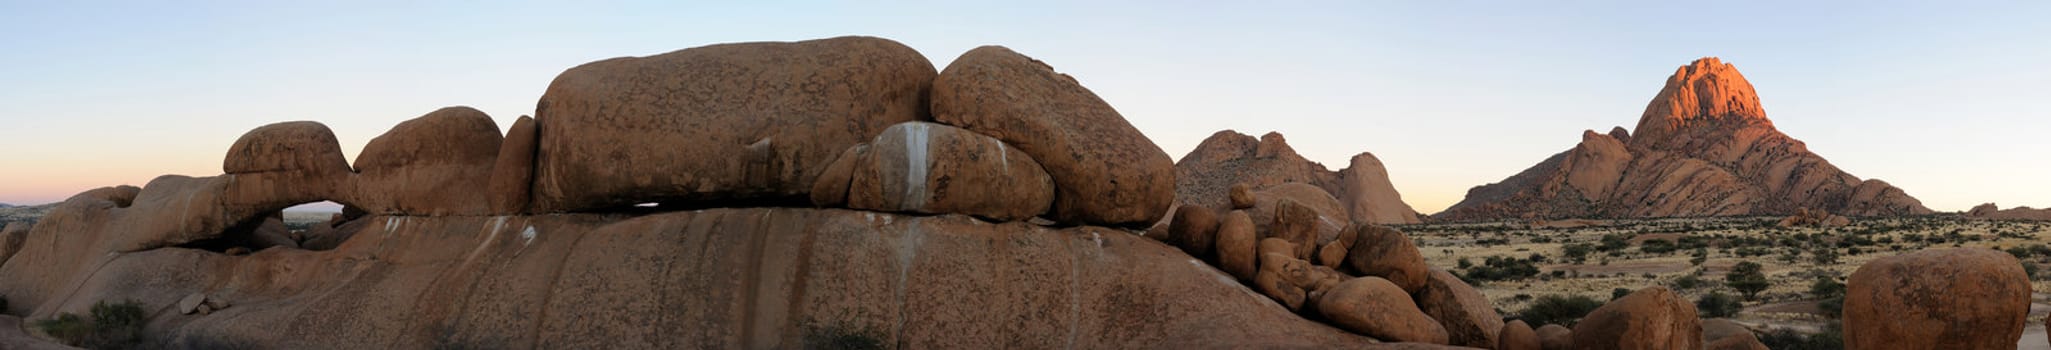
[(1242, 197), (1105, 171), (1516, 335), (284, 147), (437, 164), (12, 236), (1195, 230), (922, 167), (512, 173), (1703, 148), (1281, 277), (716, 278), (747, 121), (1296, 223), (1377, 308), (1384, 252), (1469, 318), (1966, 298), (1208, 174), (1321, 223), (1237, 245), (1555, 337), (1649, 319), (831, 189)]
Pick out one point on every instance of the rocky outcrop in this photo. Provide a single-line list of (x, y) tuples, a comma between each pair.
[(1649, 319), (1469, 319), (1966, 298), (749, 122), (1555, 337), (512, 174), (437, 164), (1516, 335), (1105, 171), (1989, 211), (1227, 158), (921, 167), (1373, 306), (1703, 147), (1384, 252), (1813, 218)]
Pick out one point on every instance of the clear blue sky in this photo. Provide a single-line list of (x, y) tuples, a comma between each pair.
[(1947, 100)]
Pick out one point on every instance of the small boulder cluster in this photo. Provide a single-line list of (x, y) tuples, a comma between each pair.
[(1295, 244), (1814, 218)]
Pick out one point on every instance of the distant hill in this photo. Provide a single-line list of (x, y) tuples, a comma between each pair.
[(1703, 148), (21, 213)]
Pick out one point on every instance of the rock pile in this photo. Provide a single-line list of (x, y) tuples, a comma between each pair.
[(1227, 158), (1702, 148), (1813, 218), (1989, 211)]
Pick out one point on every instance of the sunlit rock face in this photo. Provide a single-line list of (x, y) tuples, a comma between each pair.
[(1704, 147)]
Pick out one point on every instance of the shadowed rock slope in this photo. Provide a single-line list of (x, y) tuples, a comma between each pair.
[(1702, 148), (1229, 158)]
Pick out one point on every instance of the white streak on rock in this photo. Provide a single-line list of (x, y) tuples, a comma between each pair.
[(528, 234), (915, 137)]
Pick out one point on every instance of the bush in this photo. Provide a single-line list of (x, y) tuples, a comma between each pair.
[(1832, 338), (1718, 305), (1747, 278), (1618, 293), (1578, 251), (1559, 310), (111, 326), (842, 337), (1497, 268), (1687, 282)]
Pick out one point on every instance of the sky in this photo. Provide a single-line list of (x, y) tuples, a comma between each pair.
[(1945, 99)]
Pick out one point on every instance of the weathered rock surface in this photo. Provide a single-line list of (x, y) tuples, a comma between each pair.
[(1237, 246), (1377, 308), (921, 167), (1648, 319), (1195, 230), (1702, 148), (1385, 252), (1555, 337), (1321, 222), (512, 174), (1227, 158), (1813, 218), (1990, 211), (1105, 171), (1516, 335), (437, 164), (1966, 298), (754, 278), (12, 236), (1469, 318), (746, 121), (301, 146)]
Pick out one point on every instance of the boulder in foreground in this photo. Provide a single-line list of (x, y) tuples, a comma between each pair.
[(1966, 298)]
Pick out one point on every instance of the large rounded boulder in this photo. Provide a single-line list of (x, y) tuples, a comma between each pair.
[(1374, 307), (1649, 319), (1385, 252), (1105, 171), (1970, 298), (744, 122), (437, 164), (1516, 335), (512, 174), (930, 168), (300, 157), (1469, 318)]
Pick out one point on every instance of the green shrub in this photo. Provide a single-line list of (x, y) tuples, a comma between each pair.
[(1718, 305), (1832, 338), (1556, 309), (1497, 268), (1747, 278), (111, 326)]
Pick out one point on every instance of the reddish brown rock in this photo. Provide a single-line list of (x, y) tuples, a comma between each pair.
[(830, 191), (1648, 319), (1370, 196), (1361, 192), (1813, 218), (1278, 278), (1703, 147), (1555, 337), (1516, 335), (1384, 252), (1965, 298), (1195, 230), (1374, 307), (1990, 211), (1297, 224), (1468, 317), (11, 237), (747, 121), (1242, 197), (512, 173), (930, 168), (1333, 254), (1105, 171), (437, 164), (1237, 246), (285, 147)]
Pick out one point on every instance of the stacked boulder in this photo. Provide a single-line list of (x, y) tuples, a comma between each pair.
[(1294, 244)]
